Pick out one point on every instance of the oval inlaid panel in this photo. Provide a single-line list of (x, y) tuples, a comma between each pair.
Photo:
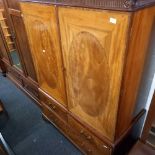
[(45, 55), (89, 73)]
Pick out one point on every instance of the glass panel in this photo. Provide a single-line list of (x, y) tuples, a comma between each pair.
[(15, 59), (9, 41)]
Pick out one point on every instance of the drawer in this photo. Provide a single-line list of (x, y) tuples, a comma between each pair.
[(79, 141), (91, 144), (55, 119), (15, 75), (32, 89), (59, 110)]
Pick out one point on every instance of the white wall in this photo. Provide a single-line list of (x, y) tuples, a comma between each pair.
[(149, 99), (147, 86), (147, 82), (152, 89)]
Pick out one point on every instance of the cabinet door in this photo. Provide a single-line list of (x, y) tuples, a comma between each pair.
[(41, 27), (21, 39), (18, 32), (93, 44)]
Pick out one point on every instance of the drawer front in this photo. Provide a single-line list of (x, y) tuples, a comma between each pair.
[(31, 89), (53, 106), (86, 140), (15, 75), (79, 141), (55, 119)]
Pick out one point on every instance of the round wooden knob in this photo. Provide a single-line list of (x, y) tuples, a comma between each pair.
[(54, 107), (89, 150), (49, 103), (81, 131), (89, 137), (82, 144), (105, 146)]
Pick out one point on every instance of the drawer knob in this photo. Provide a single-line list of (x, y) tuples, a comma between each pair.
[(89, 150), (105, 146), (49, 103), (89, 137), (81, 131), (82, 144), (54, 107)]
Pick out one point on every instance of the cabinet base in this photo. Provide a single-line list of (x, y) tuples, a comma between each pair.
[(26, 84), (84, 140)]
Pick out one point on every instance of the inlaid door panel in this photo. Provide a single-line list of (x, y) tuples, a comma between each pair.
[(41, 27), (93, 44)]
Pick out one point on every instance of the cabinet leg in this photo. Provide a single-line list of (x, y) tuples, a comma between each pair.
[(3, 68), (4, 74)]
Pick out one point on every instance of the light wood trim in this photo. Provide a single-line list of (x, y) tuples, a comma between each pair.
[(135, 59)]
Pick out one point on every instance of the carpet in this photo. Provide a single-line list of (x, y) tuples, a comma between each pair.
[(25, 130)]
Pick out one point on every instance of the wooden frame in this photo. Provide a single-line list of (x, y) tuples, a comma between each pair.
[(122, 5), (2, 67), (26, 78)]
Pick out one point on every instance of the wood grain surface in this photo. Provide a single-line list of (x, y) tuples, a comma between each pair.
[(41, 26), (3, 49), (93, 44), (22, 42), (141, 29), (14, 4), (122, 5)]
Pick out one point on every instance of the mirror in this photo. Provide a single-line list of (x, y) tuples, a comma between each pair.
[(9, 41)]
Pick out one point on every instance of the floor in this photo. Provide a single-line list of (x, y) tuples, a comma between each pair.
[(141, 149), (25, 130)]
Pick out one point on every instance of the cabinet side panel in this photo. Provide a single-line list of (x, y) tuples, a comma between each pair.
[(135, 59)]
